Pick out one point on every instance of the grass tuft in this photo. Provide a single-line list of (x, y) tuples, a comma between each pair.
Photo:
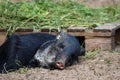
[(91, 54)]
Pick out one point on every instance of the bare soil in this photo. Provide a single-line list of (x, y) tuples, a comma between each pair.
[(103, 66), (99, 3), (89, 3)]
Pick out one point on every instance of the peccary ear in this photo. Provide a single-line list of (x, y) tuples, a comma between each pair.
[(60, 35)]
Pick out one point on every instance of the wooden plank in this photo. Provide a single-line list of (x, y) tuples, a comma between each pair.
[(98, 34), (24, 30), (109, 27), (100, 43), (45, 30), (76, 29), (76, 33), (2, 37)]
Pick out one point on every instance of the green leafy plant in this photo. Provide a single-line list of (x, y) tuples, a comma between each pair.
[(58, 14), (22, 70)]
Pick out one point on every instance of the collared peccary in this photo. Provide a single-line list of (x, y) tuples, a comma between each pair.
[(38, 49), (59, 53), (18, 50)]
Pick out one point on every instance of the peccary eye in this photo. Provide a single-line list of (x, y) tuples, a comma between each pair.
[(61, 46)]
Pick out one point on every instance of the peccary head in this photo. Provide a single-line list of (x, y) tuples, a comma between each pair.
[(58, 53)]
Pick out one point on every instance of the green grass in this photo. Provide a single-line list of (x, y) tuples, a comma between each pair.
[(91, 54), (22, 70), (46, 13)]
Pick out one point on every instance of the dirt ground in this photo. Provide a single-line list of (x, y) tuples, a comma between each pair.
[(99, 3), (88, 3), (105, 65)]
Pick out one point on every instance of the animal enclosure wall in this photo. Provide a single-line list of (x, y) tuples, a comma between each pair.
[(104, 37)]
